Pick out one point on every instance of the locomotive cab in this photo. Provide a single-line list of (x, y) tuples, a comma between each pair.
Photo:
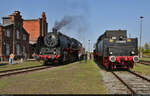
[(116, 51)]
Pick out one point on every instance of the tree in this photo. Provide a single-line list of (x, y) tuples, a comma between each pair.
[(146, 46), (147, 49), (142, 49)]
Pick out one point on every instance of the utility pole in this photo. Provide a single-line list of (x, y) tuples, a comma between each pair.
[(89, 49), (141, 18)]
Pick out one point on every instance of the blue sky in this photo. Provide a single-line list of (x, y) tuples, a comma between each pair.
[(94, 16)]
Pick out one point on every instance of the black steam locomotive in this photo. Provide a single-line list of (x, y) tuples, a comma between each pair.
[(114, 50), (56, 47)]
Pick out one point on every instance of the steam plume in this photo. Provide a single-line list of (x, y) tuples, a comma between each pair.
[(65, 21)]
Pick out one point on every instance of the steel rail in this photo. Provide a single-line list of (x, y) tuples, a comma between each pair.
[(133, 73), (132, 91), (23, 71), (144, 62), (19, 69), (138, 75)]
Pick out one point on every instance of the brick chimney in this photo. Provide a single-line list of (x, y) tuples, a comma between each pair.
[(43, 16)]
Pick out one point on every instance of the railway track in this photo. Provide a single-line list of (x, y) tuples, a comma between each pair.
[(22, 70), (145, 62), (10, 70), (136, 83)]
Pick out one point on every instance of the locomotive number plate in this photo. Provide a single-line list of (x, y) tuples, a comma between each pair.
[(120, 41)]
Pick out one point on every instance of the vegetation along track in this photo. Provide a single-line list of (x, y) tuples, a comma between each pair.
[(145, 62), (136, 83), (22, 70)]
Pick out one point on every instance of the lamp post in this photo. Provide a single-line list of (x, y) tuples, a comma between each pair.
[(89, 49), (89, 45), (141, 18)]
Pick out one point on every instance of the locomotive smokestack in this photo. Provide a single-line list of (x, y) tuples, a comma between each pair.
[(54, 30)]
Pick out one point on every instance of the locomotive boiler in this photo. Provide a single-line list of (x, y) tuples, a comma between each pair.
[(57, 47), (114, 50)]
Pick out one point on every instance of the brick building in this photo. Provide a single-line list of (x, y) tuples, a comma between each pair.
[(13, 37), (35, 27)]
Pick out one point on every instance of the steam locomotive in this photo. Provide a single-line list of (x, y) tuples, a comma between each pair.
[(56, 47), (115, 51)]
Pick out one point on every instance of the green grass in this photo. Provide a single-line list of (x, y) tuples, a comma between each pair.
[(21, 65), (75, 78), (143, 69), (148, 54), (146, 59)]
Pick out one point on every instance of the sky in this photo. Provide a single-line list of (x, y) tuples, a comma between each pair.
[(91, 18)]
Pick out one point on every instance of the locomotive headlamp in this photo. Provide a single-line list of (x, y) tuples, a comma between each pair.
[(129, 40), (136, 59), (111, 40), (112, 58), (121, 37), (110, 53), (132, 52)]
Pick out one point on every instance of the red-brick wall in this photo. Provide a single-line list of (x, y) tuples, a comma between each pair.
[(1, 28), (33, 28)]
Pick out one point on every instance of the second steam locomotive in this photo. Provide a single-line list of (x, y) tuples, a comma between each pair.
[(57, 47), (114, 50)]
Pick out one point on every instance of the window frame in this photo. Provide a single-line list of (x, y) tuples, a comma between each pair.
[(7, 33), (17, 34), (24, 37), (7, 49), (17, 49)]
